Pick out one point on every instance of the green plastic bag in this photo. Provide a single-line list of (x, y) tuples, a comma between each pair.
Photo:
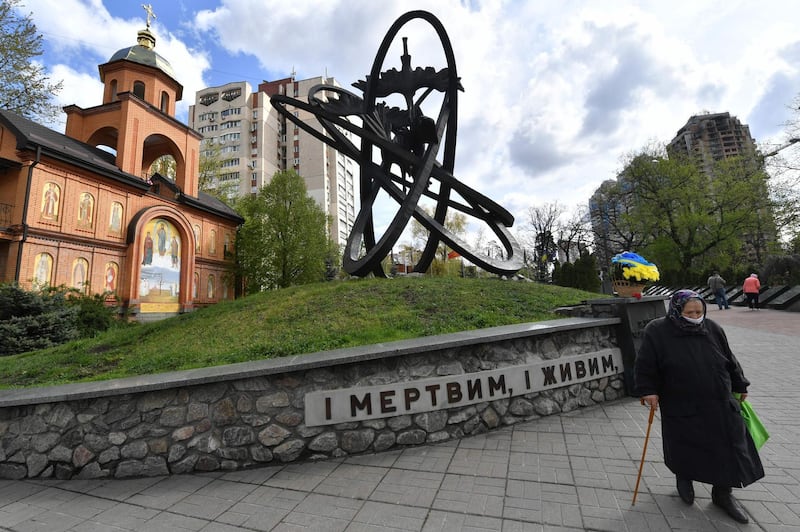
[(754, 426)]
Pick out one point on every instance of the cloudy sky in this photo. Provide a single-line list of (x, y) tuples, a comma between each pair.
[(556, 92)]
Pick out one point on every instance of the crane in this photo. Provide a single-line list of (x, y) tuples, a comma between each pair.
[(786, 145)]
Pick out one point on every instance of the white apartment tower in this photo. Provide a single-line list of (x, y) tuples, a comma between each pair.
[(255, 141)]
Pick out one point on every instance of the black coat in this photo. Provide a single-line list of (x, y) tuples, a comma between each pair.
[(693, 372)]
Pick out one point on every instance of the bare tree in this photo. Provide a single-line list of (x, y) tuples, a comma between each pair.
[(573, 236), (541, 224)]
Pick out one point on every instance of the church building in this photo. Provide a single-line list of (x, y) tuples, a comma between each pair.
[(82, 209)]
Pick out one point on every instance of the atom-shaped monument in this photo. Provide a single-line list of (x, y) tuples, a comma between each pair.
[(398, 155)]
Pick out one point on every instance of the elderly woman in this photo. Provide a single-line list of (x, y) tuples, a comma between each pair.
[(686, 367)]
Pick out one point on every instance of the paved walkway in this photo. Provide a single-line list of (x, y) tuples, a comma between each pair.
[(568, 472)]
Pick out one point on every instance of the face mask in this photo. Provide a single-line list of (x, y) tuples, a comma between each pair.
[(695, 321)]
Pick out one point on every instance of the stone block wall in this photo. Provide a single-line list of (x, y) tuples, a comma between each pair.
[(253, 414)]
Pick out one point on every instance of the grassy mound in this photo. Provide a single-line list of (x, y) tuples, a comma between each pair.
[(293, 321)]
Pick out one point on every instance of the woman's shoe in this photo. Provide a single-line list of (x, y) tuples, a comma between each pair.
[(723, 498), (686, 490)]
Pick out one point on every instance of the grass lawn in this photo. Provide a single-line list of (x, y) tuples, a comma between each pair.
[(297, 320)]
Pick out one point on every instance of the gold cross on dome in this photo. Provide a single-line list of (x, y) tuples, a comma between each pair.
[(149, 10)]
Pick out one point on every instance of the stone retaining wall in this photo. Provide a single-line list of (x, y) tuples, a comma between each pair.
[(252, 414)]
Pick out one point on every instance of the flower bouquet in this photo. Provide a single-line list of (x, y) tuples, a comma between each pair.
[(631, 274)]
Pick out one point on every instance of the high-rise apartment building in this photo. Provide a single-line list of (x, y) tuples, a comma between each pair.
[(255, 141), (712, 137)]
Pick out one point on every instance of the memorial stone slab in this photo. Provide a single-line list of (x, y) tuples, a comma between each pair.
[(771, 293), (786, 299)]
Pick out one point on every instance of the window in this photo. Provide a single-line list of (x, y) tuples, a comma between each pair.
[(113, 87), (230, 124), (255, 113), (138, 89), (230, 162), (227, 248), (229, 112), (164, 102)]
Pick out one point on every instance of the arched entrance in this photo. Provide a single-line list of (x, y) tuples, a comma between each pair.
[(162, 248)]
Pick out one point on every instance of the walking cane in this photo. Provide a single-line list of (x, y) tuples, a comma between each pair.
[(644, 452)]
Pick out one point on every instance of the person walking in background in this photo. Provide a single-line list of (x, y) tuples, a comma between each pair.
[(686, 367), (751, 287), (717, 285)]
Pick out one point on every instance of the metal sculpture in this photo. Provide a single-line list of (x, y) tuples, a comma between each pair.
[(405, 164)]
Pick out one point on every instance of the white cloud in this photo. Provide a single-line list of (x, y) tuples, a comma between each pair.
[(555, 93), (79, 88)]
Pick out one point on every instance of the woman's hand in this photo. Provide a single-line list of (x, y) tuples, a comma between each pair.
[(650, 400)]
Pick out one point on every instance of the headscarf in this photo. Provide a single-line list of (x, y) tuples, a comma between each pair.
[(676, 304)]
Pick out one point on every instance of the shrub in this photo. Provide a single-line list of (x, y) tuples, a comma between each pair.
[(40, 319)]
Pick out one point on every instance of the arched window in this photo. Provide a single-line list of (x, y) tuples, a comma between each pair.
[(42, 270), (138, 89), (210, 287), (85, 210), (196, 229), (80, 274), (111, 273), (51, 197), (114, 97), (164, 102)]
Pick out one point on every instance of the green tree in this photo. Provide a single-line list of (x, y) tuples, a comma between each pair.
[(456, 223), (283, 240), (574, 234), (31, 320), (211, 176), (690, 218), (164, 165), (25, 89), (586, 273)]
